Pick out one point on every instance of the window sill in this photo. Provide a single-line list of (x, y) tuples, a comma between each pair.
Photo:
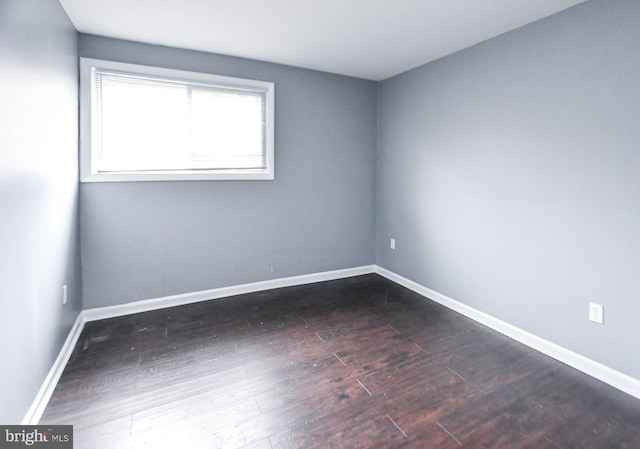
[(205, 175)]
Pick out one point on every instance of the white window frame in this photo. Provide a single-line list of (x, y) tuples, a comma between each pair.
[(88, 169)]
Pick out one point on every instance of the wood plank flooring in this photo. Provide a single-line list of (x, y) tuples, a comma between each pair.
[(354, 363)]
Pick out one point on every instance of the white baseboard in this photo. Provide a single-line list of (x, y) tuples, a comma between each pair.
[(46, 390), (608, 375), (216, 293), (621, 381)]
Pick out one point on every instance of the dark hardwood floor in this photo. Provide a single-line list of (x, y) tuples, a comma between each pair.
[(355, 363)]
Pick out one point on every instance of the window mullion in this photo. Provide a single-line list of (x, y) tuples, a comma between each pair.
[(147, 123), (189, 143)]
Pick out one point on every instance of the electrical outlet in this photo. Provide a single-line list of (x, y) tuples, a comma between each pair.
[(596, 313), (65, 297), (392, 244)]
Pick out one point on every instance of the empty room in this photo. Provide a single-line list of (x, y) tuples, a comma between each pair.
[(340, 224)]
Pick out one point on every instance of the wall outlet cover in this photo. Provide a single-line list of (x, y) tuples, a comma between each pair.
[(596, 313)]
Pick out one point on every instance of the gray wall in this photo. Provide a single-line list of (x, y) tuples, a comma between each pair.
[(153, 239), (38, 195), (509, 174)]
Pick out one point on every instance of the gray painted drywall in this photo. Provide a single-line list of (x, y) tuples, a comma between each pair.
[(153, 239), (509, 175), (38, 195)]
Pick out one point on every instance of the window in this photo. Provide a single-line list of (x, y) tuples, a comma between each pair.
[(143, 123)]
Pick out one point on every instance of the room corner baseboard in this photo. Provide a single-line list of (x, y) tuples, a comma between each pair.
[(601, 372), (616, 379), (46, 390), (216, 293)]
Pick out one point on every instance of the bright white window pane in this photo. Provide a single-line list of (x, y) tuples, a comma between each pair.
[(228, 130), (141, 127), (144, 123)]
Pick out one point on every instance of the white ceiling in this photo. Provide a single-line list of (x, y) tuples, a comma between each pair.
[(372, 39)]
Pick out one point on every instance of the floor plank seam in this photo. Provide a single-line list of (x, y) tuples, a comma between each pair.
[(397, 426), (456, 373), (338, 357), (364, 388), (449, 433), (394, 329)]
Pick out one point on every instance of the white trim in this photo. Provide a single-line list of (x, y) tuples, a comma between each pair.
[(216, 293), (601, 372), (46, 390), (621, 381), (42, 399), (88, 168)]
